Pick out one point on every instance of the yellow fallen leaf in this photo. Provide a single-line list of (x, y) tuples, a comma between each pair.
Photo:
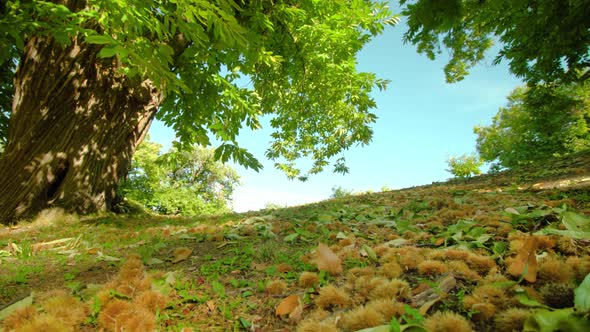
[(292, 306), (211, 305), (327, 260), (525, 261), (181, 254)]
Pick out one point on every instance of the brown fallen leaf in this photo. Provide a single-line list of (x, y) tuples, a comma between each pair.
[(327, 260), (292, 306), (525, 261), (181, 254)]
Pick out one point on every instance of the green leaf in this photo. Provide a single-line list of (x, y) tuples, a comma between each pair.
[(524, 299), (394, 325), (412, 316), (370, 252), (499, 248), (107, 52), (582, 296), (218, 288), (544, 320), (99, 39), (291, 237), (575, 222), (62, 37), (245, 323), (573, 234)]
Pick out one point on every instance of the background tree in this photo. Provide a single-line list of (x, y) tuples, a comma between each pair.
[(93, 74), (542, 40), (179, 182), (464, 166), (537, 123)]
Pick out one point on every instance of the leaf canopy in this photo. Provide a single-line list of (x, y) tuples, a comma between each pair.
[(224, 64), (536, 124), (543, 41)]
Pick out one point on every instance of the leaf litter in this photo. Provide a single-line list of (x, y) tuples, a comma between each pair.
[(493, 253)]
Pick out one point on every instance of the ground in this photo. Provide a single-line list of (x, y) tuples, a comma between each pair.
[(491, 253)]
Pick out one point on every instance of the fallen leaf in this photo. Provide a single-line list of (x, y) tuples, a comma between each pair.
[(556, 320), (181, 254), (107, 258), (292, 306), (14, 249), (26, 301), (170, 277), (327, 260), (525, 263), (426, 306), (512, 210), (582, 296), (397, 242), (428, 297), (210, 305), (57, 245), (367, 251), (259, 266), (154, 261), (50, 244)]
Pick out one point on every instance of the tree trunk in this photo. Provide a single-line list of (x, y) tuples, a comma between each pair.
[(74, 126)]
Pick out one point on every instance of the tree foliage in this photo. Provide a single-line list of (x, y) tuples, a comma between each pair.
[(543, 40), (223, 64), (464, 166), (340, 192), (536, 124), (179, 182)]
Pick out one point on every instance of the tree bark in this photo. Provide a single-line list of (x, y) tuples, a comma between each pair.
[(74, 127)]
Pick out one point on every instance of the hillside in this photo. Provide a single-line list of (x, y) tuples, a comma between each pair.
[(498, 250)]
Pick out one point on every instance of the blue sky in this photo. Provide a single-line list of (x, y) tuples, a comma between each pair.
[(422, 120)]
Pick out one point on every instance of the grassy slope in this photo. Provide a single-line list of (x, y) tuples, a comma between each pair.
[(393, 246)]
